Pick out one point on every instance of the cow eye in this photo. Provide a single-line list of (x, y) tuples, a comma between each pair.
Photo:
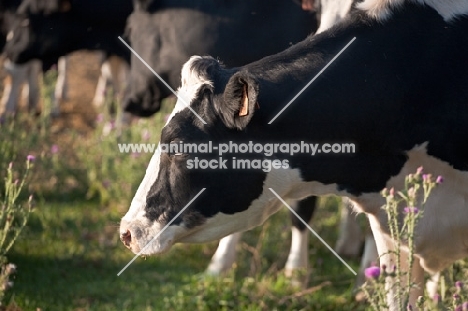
[(176, 149)]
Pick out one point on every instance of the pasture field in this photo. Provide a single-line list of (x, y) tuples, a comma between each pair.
[(69, 254)]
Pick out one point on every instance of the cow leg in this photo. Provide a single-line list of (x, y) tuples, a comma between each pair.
[(61, 88), (386, 248), (225, 255), (101, 87), (432, 285), (34, 72), (298, 254), (350, 234), (11, 94)]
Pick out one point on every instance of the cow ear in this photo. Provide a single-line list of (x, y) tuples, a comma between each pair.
[(239, 101)]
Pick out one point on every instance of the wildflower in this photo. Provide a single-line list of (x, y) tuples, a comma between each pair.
[(145, 135), (426, 177), (410, 209), (31, 158), (10, 166), (99, 118), (106, 183), (439, 179), (412, 192), (465, 306), (458, 308), (391, 193), (409, 307), (419, 170), (437, 299), (372, 272), (54, 149)]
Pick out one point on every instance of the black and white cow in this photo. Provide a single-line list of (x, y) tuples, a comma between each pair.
[(27, 74), (399, 93), (48, 29), (166, 33)]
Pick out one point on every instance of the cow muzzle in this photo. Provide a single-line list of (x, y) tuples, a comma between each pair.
[(146, 240)]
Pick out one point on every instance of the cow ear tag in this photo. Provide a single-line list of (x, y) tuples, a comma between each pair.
[(244, 103)]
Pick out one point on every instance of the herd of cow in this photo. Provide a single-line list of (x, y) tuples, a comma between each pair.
[(399, 92)]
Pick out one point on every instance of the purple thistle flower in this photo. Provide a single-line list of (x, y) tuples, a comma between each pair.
[(54, 149), (439, 179), (456, 297), (419, 170), (425, 177), (465, 306), (106, 183), (410, 209), (31, 158), (372, 272), (458, 308), (458, 285), (145, 135), (436, 298), (99, 118)]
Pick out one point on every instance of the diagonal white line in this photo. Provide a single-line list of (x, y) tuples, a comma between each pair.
[(162, 230), (312, 230), (308, 84), (161, 79)]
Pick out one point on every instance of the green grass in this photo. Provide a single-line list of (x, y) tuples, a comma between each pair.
[(69, 255)]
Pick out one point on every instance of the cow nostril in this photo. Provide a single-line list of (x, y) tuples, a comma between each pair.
[(126, 238)]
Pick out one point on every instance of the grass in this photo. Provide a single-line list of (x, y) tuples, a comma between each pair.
[(69, 256)]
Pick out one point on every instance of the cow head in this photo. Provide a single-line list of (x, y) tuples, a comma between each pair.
[(234, 199)]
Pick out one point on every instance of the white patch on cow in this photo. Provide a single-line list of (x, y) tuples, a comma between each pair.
[(136, 212), (191, 83), (332, 11), (381, 9), (225, 255), (298, 255), (445, 212)]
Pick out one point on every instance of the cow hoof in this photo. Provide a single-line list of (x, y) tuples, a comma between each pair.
[(298, 277)]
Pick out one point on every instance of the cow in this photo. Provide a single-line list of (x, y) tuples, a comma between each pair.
[(166, 33), (397, 92), (162, 41), (50, 29), (26, 74)]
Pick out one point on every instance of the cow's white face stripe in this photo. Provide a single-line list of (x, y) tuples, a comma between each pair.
[(381, 9)]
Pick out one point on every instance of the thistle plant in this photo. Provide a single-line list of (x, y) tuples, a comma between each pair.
[(403, 215), (13, 218)]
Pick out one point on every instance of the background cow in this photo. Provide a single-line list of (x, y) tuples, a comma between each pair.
[(395, 108), (46, 30)]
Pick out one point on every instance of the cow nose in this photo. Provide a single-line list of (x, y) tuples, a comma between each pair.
[(126, 238)]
